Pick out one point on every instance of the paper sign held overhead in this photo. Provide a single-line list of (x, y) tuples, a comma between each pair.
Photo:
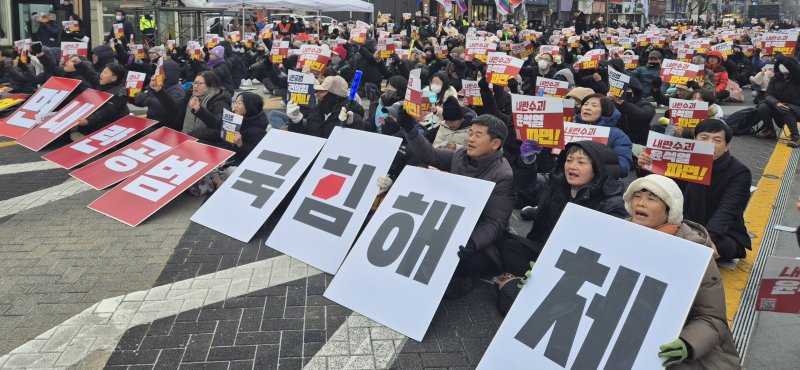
[(551, 88), (252, 193), (409, 249), (501, 67)]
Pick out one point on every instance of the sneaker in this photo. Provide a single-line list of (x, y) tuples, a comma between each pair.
[(76, 136), (794, 141), (246, 83), (459, 286), (255, 82)]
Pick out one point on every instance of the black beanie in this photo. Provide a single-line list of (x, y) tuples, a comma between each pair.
[(253, 103), (451, 110), (36, 48)]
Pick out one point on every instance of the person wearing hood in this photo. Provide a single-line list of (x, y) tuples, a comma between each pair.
[(199, 113), (705, 341), (235, 62), (454, 130), (172, 86), (112, 81), (782, 101), (13, 73), (585, 173), (102, 55), (333, 108), (714, 62), (395, 92), (649, 73), (220, 66), (599, 110), (254, 125), (338, 65), (720, 206), (635, 114), (481, 158)]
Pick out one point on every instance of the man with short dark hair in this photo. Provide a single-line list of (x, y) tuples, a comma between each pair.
[(720, 206), (481, 158), (121, 18)]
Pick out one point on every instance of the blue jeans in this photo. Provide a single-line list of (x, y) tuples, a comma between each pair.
[(278, 119)]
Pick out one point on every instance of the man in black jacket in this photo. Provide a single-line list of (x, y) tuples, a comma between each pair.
[(111, 80), (636, 113)]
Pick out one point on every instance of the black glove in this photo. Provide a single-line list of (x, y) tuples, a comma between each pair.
[(405, 121), (395, 58), (483, 85), (656, 82), (467, 250), (693, 85)]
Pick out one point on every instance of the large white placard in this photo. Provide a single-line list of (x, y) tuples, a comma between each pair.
[(324, 218), (399, 268), (605, 293), (250, 195)]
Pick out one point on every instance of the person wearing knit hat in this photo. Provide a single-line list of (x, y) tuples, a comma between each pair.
[(455, 126), (705, 342), (223, 69), (157, 52), (578, 94)]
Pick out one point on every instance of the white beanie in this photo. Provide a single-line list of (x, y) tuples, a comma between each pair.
[(664, 188)]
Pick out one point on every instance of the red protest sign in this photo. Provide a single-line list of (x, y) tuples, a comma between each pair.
[(472, 93), (549, 49), (38, 106), (785, 43), (138, 197), (280, 50), (538, 118), (550, 87), (780, 285), (266, 32), (569, 109), (415, 104), (685, 55), (137, 50), (211, 40), (522, 50), (358, 35), (99, 142), (71, 49), (579, 132), (631, 61), (119, 31), (134, 82), (477, 48), (124, 162), (678, 73), (79, 108), (387, 46), (315, 57), (682, 159), (687, 113), (501, 67)]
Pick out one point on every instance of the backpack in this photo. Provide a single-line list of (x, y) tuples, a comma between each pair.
[(742, 122), (736, 92)]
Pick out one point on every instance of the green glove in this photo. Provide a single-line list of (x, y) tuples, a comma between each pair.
[(673, 352), (527, 275)]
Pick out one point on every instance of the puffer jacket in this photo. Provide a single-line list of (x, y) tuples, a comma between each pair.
[(458, 136), (603, 194), (720, 73), (155, 110), (114, 109), (617, 140), (706, 328), (210, 115), (253, 129), (322, 124)]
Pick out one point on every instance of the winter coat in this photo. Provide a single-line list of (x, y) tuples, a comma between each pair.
[(720, 77), (224, 71), (155, 110), (493, 167), (786, 90), (366, 63), (321, 125), (253, 129), (646, 74), (127, 27), (430, 120), (603, 194), (114, 109), (236, 65), (617, 140), (530, 74), (458, 136), (635, 120), (210, 115), (720, 206), (706, 329), (49, 34)]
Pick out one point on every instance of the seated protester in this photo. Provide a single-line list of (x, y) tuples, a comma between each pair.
[(586, 173), (47, 60), (543, 68), (333, 109), (497, 102), (648, 73), (395, 92), (234, 61), (454, 130), (635, 113), (760, 82), (101, 56), (719, 207), (111, 80), (714, 62), (743, 65), (220, 66), (481, 158), (782, 102), (600, 111), (709, 79), (705, 342), (254, 126), (438, 91), (714, 111), (172, 86), (199, 113), (13, 73), (338, 65)]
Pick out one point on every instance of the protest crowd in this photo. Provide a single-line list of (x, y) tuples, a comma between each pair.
[(551, 115)]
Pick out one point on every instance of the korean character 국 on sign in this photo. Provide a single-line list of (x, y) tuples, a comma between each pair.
[(428, 238), (325, 216), (109, 136), (263, 185), (175, 171)]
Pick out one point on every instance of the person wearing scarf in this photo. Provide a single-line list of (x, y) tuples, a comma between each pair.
[(218, 64), (200, 112)]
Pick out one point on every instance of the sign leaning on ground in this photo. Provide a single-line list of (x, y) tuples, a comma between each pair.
[(605, 301), (409, 249), (38, 107), (325, 216), (249, 196)]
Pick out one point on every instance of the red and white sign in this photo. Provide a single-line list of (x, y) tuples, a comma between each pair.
[(170, 45), (38, 106), (569, 109), (439, 50), (315, 57), (138, 197), (780, 285), (119, 31), (549, 49), (266, 32), (124, 162), (551, 88), (358, 35), (685, 55), (631, 61), (211, 40), (137, 50), (71, 26), (478, 48), (579, 132), (194, 50), (522, 50), (726, 48), (279, 51), (590, 60), (501, 68), (134, 82), (539, 118), (71, 49), (678, 73), (99, 142), (472, 93), (79, 108), (772, 43), (682, 159), (687, 113), (233, 36), (415, 104)]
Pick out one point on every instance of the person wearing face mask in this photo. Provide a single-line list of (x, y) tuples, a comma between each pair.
[(395, 92), (542, 68), (438, 91), (648, 73), (199, 113), (599, 110), (635, 114), (112, 81), (338, 65), (332, 109), (121, 18), (781, 104)]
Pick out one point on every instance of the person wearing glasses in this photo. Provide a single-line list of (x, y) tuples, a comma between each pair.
[(200, 112)]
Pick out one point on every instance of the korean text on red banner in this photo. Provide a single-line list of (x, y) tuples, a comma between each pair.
[(679, 73), (315, 57), (551, 88), (682, 159), (472, 93), (538, 118), (501, 67), (38, 107), (415, 104), (134, 82), (687, 113), (780, 286)]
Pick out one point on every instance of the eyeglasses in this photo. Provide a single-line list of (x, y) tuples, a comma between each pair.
[(199, 83)]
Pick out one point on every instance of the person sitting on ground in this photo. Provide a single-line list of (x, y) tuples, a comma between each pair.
[(453, 133), (254, 125), (481, 158), (720, 206), (599, 110), (715, 62), (705, 342), (111, 81), (171, 83), (199, 113), (782, 102), (333, 108), (635, 113)]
